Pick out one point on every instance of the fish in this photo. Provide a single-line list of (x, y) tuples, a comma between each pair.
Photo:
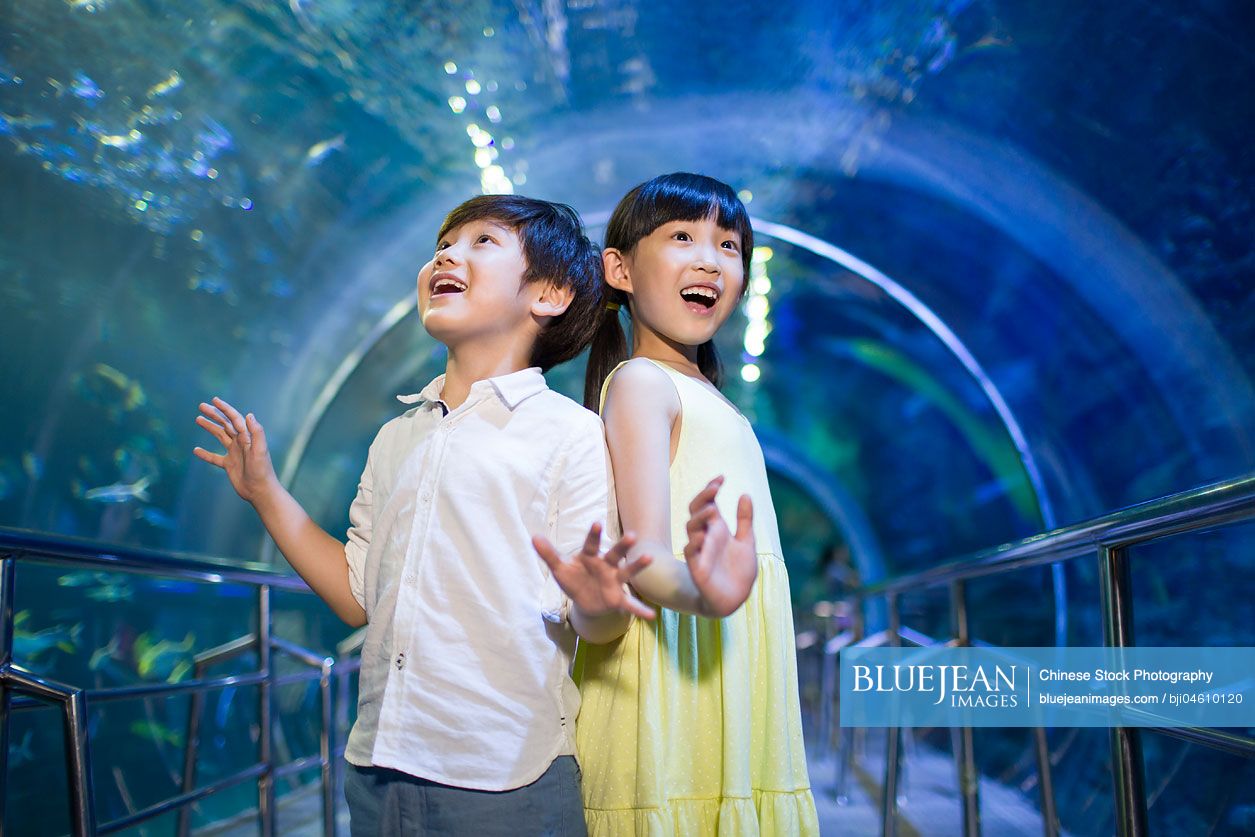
[(119, 492), (85, 88), (214, 138), (26, 121), (171, 82), (158, 732), (120, 140), (101, 656), (111, 593), (319, 150), (214, 285), (83, 578), (155, 517), (224, 706), (29, 644), (33, 465), (22, 753), (131, 389), (166, 660)]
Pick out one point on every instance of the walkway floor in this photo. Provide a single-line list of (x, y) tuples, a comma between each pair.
[(928, 804)]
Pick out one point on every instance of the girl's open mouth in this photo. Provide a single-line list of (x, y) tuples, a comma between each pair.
[(700, 299)]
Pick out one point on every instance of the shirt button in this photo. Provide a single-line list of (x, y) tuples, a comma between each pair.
[(400, 661), (426, 495), (412, 578)]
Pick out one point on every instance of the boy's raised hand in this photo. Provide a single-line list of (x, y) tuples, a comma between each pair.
[(723, 566), (247, 458), (595, 582)]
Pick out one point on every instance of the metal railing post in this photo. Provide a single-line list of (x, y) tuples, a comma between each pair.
[(1045, 778), (78, 763), (325, 750), (845, 752), (893, 738), (7, 575), (22, 690), (266, 814), (1126, 742), (77, 752), (191, 746), (965, 752)]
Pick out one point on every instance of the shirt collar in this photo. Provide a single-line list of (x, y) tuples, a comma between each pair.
[(429, 393), (513, 389)]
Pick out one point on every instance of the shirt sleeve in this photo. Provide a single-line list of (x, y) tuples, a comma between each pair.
[(361, 521), (583, 494)]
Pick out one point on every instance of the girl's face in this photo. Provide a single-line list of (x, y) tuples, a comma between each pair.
[(685, 279)]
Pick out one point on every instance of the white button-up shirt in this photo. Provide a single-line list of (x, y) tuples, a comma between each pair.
[(466, 665)]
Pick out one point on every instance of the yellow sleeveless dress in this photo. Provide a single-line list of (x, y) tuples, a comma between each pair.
[(691, 726)]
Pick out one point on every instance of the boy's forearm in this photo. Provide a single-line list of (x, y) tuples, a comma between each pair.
[(317, 557), (599, 629), (666, 581)]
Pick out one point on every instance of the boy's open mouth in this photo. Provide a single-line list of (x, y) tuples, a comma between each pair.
[(446, 283), (700, 298)]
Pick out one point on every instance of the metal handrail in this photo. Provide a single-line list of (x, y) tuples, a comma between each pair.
[(21, 689), (1108, 537), (1198, 508)]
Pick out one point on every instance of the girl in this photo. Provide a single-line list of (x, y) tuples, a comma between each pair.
[(690, 723)]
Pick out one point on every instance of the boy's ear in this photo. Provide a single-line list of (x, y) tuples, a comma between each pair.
[(553, 300), (617, 275)]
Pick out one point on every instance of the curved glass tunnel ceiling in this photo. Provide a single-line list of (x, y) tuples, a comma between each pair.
[(227, 198)]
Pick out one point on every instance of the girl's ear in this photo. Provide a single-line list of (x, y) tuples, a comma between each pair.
[(617, 274), (553, 300)]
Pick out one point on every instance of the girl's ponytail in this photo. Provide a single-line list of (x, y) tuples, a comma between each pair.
[(608, 349), (708, 362)]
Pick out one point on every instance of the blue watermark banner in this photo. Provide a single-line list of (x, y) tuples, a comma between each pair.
[(1048, 687)]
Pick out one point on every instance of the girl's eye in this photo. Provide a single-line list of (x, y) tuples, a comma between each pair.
[(731, 245), (441, 246), (483, 238), (682, 236)]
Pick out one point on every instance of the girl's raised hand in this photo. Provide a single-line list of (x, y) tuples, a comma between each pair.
[(723, 566), (597, 583), (247, 458)]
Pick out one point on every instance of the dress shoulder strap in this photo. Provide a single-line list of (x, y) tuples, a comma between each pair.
[(671, 373), (605, 386)]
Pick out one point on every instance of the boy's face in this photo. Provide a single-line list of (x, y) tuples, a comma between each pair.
[(474, 285)]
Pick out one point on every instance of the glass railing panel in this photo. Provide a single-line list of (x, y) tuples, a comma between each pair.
[(1194, 789)]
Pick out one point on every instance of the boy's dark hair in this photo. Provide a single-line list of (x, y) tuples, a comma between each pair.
[(556, 250), (669, 197)]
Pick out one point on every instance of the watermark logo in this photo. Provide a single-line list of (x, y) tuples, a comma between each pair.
[(1026, 687), (964, 686)]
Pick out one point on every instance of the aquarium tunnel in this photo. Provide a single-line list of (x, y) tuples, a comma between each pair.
[(1002, 284)]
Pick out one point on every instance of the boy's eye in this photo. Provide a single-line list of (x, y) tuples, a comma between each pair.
[(483, 238), (441, 246)]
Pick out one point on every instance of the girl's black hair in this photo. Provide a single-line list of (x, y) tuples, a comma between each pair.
[(669, 197)]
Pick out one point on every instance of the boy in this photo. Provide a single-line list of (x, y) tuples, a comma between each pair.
[(466, 708)]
